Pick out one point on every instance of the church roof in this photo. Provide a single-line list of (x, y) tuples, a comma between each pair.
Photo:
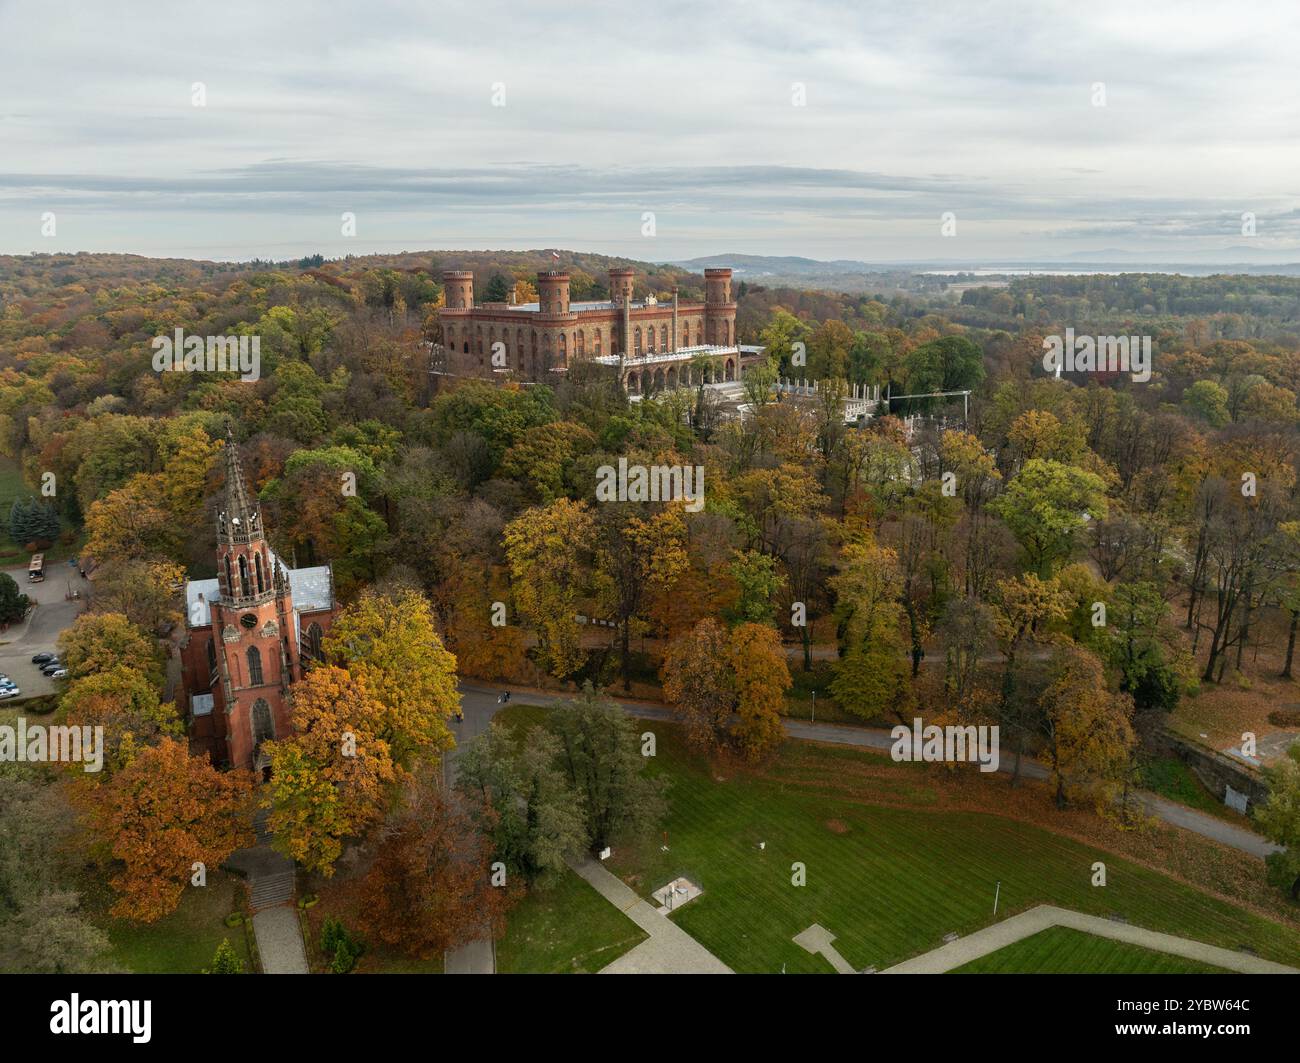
[(310, 588)]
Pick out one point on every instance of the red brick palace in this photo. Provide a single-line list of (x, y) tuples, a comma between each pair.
[(654, 342)]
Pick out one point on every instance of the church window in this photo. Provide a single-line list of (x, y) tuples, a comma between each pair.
[(254, 666)]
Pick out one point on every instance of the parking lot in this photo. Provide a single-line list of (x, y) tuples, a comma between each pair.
[(40, 631)]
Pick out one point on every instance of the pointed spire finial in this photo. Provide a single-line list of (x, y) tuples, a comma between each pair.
[(240, 515)]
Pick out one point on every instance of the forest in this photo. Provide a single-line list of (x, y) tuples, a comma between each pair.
[(1088, 562)]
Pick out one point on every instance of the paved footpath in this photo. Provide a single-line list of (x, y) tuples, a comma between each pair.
[(1035, 920), (279, 941), (873, 738), (668, 949), (271, 885)]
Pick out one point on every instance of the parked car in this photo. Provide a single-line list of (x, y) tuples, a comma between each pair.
[(51, 668), (43, 658), (59, 673), (9, 692)]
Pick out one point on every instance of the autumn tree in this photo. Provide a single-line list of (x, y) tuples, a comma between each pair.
[(133, 522), (760, 677), (145, 592), (1087, 731), (430, 888), (871, 674), (125, 703), (331, 778), (98, 641), (976, 477), (698, 683), (161, 814), (1045, 505), (547, 549), (1024, 610), (389, 643), (635, 557)]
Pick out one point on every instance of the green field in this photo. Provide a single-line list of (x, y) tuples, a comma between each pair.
[(567, 928), (888, 882), (1061, 950)]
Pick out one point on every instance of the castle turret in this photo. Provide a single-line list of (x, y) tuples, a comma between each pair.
[(553, 292), (719, 310), (620, 286), (458, 289)]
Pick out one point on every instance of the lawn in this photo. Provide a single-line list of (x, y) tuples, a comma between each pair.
[(889, 882), (567, 928), (1061, 950), (183, 942)]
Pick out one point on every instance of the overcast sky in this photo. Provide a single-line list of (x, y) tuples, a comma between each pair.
[(687, 110)]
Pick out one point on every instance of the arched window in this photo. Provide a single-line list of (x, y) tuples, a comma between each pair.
[(257, 562), (637, 338), (663, 337), (311, 640), (564, 345), (263, 723), (243, 576), (686, 333), (212, 657), (254, 667), (597, 343), (579, 342), (650, 340), (230, 582)]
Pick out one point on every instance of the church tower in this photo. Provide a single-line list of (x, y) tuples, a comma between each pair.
[(252, 617)]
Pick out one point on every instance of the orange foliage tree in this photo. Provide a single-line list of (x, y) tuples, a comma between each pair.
[(161, 814)]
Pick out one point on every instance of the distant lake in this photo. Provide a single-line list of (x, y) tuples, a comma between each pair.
[(1039, 272)]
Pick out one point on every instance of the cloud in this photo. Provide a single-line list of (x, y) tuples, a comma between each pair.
[(386, 109)]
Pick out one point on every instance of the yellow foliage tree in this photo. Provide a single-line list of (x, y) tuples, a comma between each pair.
[(330, 779)]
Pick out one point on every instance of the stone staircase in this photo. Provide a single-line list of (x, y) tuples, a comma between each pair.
[(271, 879), (272, 890)]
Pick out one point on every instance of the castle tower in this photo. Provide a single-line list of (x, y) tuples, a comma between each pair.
[(620, 286), (719, 310), (553, 292), (251, 621), (458, 289)]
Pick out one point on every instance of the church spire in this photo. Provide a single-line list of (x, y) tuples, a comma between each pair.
[(239, 520)]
